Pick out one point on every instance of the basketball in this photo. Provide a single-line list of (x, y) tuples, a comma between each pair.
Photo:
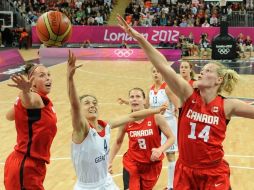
[(53, 28)]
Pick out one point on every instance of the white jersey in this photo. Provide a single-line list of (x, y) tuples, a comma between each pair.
[(156, 99), (90, 160)]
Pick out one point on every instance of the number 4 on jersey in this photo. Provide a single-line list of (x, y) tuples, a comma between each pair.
[(204, 134), (105, 145)]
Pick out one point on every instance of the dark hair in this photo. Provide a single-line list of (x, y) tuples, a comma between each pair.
[(203, 35), (139, 89), (87, 95), (28, 68)]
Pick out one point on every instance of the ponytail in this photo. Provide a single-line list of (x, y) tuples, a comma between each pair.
[(30, 68), (230, 78)]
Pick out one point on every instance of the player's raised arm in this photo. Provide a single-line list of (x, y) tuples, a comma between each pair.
[(239, 108), (176, 83), (79, 123), (29, 98), (135, 116)]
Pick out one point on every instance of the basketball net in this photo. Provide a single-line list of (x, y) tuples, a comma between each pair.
[(223, 3)]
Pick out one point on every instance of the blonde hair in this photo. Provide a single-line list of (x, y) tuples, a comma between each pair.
[(230, 78), (192, 73)]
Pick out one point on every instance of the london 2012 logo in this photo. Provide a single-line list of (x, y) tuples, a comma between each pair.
[(123, 52), (223, 49)]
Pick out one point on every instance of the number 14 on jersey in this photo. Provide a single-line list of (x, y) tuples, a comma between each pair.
[(204, 134)]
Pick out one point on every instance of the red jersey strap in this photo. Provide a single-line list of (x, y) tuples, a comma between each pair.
[(191, 81), (195, 93), (152, 87), (102, 124), (163, 86), (185, 102), (44, 98)]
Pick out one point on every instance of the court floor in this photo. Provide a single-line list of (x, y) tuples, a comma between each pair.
[(108, 80)]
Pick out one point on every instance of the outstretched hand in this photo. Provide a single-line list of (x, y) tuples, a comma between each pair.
[(122, 101), (21, 82), (127, 28), (163, 108), (71, 65)]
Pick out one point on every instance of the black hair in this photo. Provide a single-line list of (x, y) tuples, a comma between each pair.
[(28, 68), (139, 89)]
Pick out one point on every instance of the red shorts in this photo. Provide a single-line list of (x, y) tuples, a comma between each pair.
[(21, 172), (215, 178), (142, 176)]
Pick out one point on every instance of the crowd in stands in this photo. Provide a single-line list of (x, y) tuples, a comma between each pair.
[(244, 44), (80, 12), (178, 13), (138, 13), (190, 48), (17, 37), (203, 48)]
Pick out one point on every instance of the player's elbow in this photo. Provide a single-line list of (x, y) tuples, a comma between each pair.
[(9, 117), (119, 142), (172, 139)]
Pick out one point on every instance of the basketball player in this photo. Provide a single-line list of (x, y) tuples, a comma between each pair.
[(90, 137), (35, 121), (158, 94), (186, 71), (202, 121), (143, 160)]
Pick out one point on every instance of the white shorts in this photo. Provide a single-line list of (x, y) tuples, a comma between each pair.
[(107, 184), (172, 121)]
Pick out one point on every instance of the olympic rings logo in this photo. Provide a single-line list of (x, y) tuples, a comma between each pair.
[(123, 52), (223, 51)]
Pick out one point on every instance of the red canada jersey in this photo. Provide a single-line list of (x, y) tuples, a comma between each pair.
[(201, 131), (36, 129), (191, 81), (142, 138)]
